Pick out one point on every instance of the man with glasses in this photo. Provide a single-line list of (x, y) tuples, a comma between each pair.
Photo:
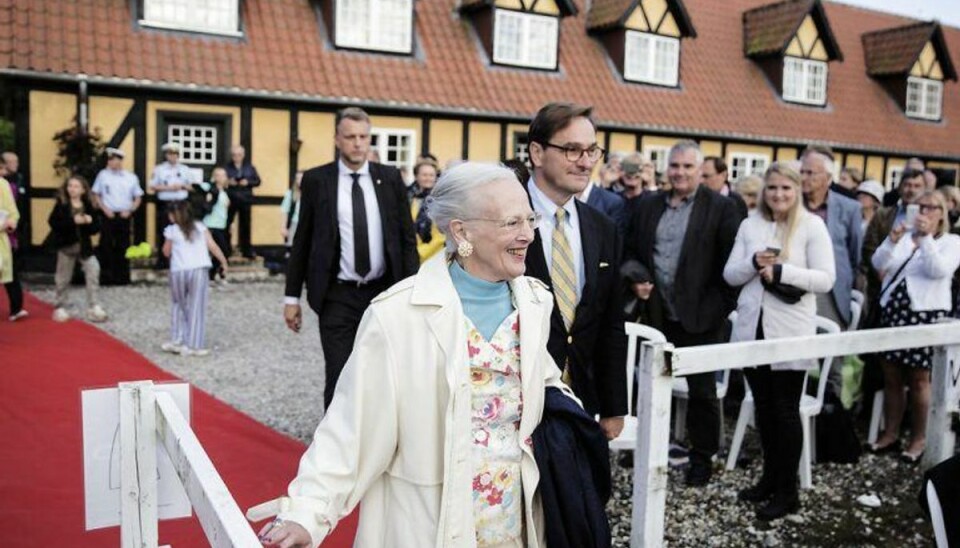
[(714, 175), (576, 253), (690, 301)]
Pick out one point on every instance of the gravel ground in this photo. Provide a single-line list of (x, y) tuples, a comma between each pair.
[(264, 370)]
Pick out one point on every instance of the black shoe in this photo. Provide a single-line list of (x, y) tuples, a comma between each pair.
[(782, 504), (698, 474), (759, 492)]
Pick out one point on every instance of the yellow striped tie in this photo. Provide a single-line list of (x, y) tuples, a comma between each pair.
[(562, 273)]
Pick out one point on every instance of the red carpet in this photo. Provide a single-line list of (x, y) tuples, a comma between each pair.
[(44, 367)]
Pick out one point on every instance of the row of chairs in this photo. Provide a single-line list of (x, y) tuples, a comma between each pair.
[(810, 406)]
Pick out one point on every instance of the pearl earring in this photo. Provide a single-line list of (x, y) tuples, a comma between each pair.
[(465, 249)]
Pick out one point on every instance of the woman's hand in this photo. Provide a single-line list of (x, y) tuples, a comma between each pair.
[(763, 259), (284, 534), (9, 225), (767, 273), (898, 232), (922, 227)]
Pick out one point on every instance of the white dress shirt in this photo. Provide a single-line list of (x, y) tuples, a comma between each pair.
[(378, 265), (545, 207), (168, 174), (117, 189)]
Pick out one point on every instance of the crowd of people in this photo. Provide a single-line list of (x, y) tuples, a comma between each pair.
[(460, 316)]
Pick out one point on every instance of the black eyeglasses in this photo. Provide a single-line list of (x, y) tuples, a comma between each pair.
[(574, 153), (925, 208)]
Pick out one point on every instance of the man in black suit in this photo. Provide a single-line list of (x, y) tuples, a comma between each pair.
[(713, 173), (607, 202), (355, 239), (576, 253), (684, 238)]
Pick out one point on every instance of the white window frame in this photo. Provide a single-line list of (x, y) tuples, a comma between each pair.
[(929, 103), (893, 176), (191, 154), (190, 15), (659, 155), (659, 49), (755, 164), (372, 33), (805, 72), (383, 148), (524, 49)]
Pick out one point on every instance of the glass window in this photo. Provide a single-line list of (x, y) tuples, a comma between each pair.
[(397, 148), (198, 143), (744, 164), (658, 155), (804, 81), (213, 16), (924, 98), (651, 58), (525, 39), (382, 25)]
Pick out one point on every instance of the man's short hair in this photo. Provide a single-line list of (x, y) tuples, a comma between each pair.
[(554, 117), (684, 145), (718, 164), (910, 173), (356, 114), (822, 150)]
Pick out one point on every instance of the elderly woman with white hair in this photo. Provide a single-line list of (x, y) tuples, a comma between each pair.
[(431, 424)]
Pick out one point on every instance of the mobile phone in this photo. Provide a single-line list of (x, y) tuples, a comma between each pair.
[(912, 211), (774, 250)]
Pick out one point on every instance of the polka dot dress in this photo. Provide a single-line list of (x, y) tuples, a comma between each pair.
[(898, 313)]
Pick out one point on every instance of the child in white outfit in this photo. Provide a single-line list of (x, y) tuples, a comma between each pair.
[(186, 243)]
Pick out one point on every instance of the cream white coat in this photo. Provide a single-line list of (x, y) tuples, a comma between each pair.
[(398, 438), (809, 266)]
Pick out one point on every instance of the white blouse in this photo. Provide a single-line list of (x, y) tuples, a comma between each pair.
[(928, 273)]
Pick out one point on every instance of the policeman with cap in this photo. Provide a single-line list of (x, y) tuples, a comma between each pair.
[(171, 181), (119, 195)]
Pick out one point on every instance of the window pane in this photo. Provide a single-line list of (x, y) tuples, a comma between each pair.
[(199, 15), (198, 144), (375, 24), (525, 39)]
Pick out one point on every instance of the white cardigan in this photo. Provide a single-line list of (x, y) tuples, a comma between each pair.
[(398, 434), (809, 266), (928, 274)]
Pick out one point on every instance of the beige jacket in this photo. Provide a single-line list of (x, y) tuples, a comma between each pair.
[(398, 438)]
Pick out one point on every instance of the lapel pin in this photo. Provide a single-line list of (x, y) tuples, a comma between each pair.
[(604, 265), (378, 181)]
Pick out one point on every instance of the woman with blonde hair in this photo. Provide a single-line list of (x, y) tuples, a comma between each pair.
[(781, 257), (917, 263), (429, 239)]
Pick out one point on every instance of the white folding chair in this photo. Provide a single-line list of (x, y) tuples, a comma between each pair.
[(681, 392), (636, 333), (810, 407)]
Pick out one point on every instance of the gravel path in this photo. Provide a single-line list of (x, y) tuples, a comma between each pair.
[(264, 370)]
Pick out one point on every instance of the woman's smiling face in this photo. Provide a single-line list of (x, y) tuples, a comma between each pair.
[(500, 232)]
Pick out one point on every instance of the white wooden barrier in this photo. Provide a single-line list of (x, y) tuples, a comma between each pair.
[(147, 416), (662, 361)]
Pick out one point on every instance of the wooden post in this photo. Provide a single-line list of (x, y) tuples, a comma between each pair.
[(138, 465), (653, 442), (941, 439)]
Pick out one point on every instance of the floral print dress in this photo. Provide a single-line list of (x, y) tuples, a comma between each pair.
[(496, 409)]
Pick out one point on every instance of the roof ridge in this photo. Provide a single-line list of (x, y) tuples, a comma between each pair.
[(932, 24)]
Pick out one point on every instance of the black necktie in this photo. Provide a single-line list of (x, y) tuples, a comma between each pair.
[(361, 241)]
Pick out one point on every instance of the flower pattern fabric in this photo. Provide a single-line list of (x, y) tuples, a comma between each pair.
[(497, 405)]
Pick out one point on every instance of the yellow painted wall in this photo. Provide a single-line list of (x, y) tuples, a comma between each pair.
[(892, 163), (669, 27), (398, 122), (656, 141), (484, 142), (786, 155), (49, 113), (511, 142), (711, 148), (446, 140), (795, 49), (107, 113), (315, 131), (265, 224), (270, 150), (854, 160), (819, 52), (39, 212), (636, 20), (874, 169), (623, 142), (654, 10), (548, 7), (807, 33)]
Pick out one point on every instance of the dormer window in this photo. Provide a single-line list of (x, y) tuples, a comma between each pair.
[(642, 38), (912, 64), (377, 25), (207, 16), (793, 44), (525, 39), (519, 33)]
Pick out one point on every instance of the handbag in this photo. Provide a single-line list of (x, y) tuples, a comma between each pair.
[(787, 293)]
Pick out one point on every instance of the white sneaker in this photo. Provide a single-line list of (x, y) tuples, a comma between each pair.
[(19, 315), (172, 348), (196, 352), (96, 314), (61, 315)]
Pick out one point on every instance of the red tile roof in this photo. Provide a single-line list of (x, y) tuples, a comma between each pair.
[(767, 30), (721, 92), (894, 51)]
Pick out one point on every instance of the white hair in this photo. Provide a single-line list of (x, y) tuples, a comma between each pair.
[(685, 145), (828, 164), (453, 197)]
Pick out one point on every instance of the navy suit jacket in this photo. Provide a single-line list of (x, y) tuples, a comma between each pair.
[(610, 204), (843, 223)]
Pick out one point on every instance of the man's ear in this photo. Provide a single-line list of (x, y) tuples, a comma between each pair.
[(536, 151)]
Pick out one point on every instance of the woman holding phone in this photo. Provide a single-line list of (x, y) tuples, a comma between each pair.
[(918, 260), (781, 257)]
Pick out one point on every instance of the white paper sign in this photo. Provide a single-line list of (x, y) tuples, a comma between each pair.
[(101, 458)]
